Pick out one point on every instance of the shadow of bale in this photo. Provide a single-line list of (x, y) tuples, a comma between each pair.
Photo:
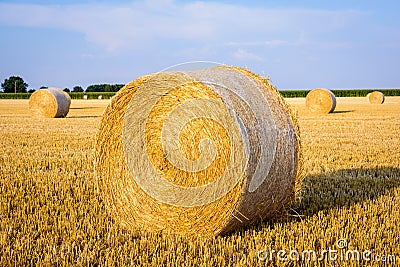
[(342, 111), (345, 187), (83, 117), (83, 108), (338, 189)]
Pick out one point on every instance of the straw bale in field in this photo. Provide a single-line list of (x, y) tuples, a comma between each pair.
[(376, 97), (321, 101), (49, 103), (197, 152)]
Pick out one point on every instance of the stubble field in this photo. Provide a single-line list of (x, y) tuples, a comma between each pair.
[(52, 214)]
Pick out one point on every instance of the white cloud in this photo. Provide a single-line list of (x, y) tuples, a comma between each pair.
[(269, 43), (244, 55), (142, 24)]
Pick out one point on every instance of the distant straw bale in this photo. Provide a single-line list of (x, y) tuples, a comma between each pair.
[(321, 101), (376, 97), (197, 152), (49, 103)]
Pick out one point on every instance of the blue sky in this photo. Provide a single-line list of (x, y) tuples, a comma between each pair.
[(298, 44)]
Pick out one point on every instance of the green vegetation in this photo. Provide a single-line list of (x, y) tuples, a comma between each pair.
[(285, 93), (104, 87), (15, 96), (14, 84), (77, 88), (343, 93), (94, 95)]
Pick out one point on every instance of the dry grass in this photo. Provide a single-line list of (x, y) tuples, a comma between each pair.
[(52, 214)]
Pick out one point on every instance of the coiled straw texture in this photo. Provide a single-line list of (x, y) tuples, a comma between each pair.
[(321, 101), (197, 152), (376, 97), (49, 103)]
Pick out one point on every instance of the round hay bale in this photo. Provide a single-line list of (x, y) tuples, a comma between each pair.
[(85, 97), (197, 152), (321, 101), (376, 97), (68, 97), (49, 103), (100, 97)]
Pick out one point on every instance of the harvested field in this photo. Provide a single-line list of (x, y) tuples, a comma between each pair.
[(52, 212)]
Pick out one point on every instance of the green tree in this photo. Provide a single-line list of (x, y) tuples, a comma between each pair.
[(77, 89), (67, 90), (96, 88), (104, 87), (113, 87), (14, 84)]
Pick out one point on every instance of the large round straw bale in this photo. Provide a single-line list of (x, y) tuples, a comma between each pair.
[(49, 103), (321, 101), (197, 152), (376, 97)]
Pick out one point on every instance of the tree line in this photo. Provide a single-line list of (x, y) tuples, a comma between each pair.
[(15, 84)]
